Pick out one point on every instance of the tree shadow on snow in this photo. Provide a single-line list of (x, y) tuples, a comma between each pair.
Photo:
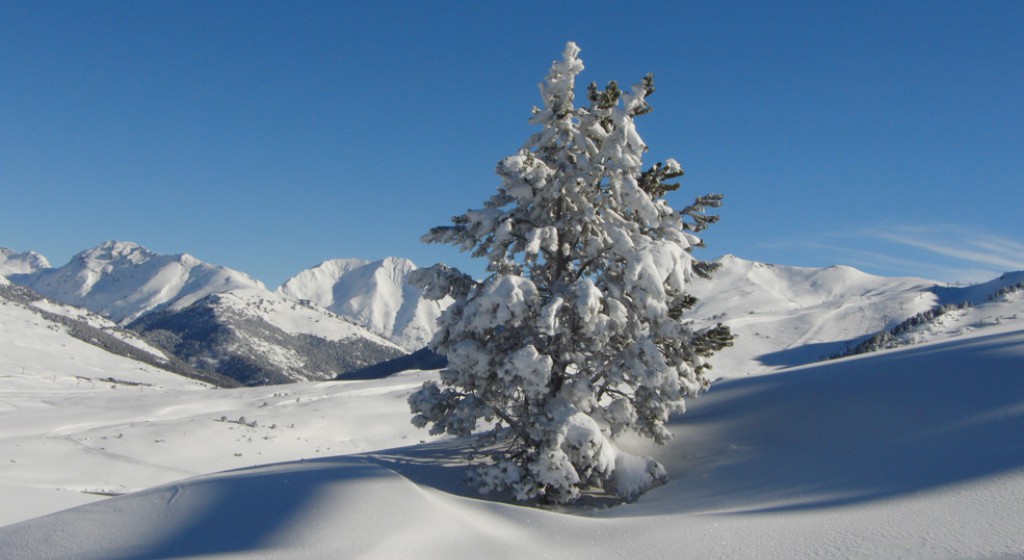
[(246, 509), (441, 465), (851, 431), (805, 354), (254, 509)]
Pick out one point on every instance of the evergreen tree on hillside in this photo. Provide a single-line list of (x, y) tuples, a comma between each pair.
[(577, 334)]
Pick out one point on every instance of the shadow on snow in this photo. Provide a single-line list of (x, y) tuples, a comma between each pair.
[(852, 431)]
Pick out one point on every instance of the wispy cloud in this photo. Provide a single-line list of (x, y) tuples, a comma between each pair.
[(938, 251), (983, 249)]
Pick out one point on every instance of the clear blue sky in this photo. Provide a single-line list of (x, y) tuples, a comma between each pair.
[(270, 136)]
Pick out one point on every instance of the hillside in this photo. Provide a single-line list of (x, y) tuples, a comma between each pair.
[(787, 316), (257, 337), (38, 335)]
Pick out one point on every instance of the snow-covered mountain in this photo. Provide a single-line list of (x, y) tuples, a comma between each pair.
[(258, 337), (786, 315), (40, 337), (373, 294), (13, 262), (216, 319), (984, 292), (123, 280), (783, 315), (961, 310)]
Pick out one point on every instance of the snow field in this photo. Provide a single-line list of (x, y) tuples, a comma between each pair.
[(125, 439), (912, 453)]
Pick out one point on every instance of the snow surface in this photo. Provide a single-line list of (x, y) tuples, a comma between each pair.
[(35, 353), (911, 453)]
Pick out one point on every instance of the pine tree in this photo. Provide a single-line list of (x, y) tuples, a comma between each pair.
[(577, 334)]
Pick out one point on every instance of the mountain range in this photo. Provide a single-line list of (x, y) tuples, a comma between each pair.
[(350, 316), (221, 321)]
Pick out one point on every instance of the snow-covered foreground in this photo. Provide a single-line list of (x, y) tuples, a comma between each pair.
[(914, 453), (67, 440)]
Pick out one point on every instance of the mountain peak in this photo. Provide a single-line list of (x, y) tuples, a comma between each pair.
[(188, 260), (372, 294), (398, 262), (13, 262), (116, 252)]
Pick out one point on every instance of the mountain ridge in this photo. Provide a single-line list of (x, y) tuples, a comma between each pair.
[(782, 315), (253, 335), (123, 280)]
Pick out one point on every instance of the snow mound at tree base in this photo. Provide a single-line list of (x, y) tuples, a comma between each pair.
[(914, 453)]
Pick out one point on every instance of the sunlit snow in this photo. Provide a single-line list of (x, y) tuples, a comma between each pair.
[(907, 453)]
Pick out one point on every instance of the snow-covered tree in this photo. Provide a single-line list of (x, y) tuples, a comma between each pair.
[(577, 334)]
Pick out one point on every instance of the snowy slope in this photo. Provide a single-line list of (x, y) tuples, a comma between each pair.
[(257, 337), (897, 454), (41, 366), (295, 317), (25, 315), (38, 352), (123, 280), (786, 316), (13, 262), (963, 311), (101, 323), (983, 292), (372, 294), (66, 440)]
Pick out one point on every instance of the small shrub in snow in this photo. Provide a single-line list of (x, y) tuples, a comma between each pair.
[(577, 334)]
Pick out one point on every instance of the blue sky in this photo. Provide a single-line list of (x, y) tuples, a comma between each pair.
[(270, 136)]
